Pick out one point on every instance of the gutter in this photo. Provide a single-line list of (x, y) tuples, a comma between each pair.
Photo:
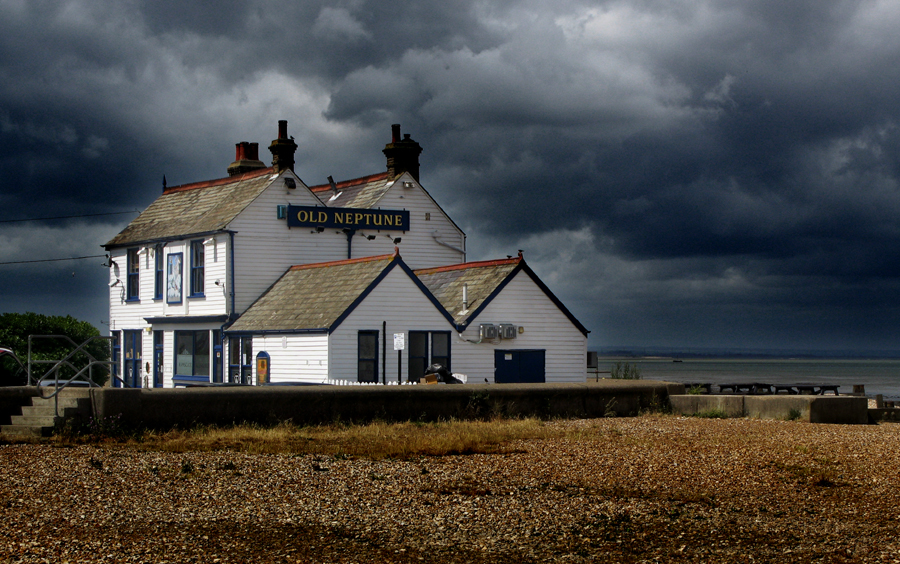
[(448, 245)]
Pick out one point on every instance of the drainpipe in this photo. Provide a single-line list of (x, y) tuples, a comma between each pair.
[(231, 234), (384, 352), (231, 314)]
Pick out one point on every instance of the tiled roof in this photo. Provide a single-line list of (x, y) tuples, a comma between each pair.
[(484, 281), (360, 193), (313, 296), (201, 207), (481, 278)]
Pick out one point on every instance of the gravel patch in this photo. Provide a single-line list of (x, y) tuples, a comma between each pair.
[(646, 489)]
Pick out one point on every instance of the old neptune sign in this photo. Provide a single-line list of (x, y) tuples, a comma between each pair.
[(347, 218)]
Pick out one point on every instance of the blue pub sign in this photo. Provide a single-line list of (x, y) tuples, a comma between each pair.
[(347, 218)]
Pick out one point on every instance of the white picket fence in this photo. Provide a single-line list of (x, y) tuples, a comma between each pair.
[(353, 383)]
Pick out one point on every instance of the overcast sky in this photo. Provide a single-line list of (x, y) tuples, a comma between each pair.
[(681, 173)]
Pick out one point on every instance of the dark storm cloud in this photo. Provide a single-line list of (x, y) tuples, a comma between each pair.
[(681, 173)]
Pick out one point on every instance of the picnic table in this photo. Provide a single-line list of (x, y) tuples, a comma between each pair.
[(751, 388), (807, 389), (816, 389)]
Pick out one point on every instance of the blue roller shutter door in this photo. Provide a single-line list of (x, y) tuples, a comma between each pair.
[(519, 366)]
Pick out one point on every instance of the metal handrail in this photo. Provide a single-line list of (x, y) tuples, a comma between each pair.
[(57, 364), (77, 348), (65, 383)]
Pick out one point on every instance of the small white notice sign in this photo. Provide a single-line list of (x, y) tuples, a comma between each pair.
[(399, 341)]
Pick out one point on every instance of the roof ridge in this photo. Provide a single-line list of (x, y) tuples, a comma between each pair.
[(351, 182), (219, 181), (342, 262), (466, 265)]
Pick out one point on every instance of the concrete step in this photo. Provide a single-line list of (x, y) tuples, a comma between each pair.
[(35, 420), (67, 392), (62, 402), (51, 411), (26, 431), (40, 418)]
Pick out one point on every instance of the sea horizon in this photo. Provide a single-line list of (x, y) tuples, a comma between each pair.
[(738, 352), (879, 376)]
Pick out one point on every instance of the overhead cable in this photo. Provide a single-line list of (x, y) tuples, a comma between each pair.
[(65, 217)]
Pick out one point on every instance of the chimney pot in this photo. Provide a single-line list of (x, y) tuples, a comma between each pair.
[(402, 154), (246, 158), (283, 149)]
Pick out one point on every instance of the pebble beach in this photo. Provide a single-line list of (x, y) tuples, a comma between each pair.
[(642, 489)]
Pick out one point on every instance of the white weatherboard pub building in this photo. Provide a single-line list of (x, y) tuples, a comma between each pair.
[(258, 278)]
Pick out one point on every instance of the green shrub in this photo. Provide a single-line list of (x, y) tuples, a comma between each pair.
[(625, 371)]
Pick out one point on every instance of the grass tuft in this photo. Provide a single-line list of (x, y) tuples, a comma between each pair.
[(377, 440)]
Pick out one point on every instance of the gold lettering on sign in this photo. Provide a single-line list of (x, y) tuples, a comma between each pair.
[(357, 217), (378, 220), (338, 217), (323, 217), (399, 219), (302, 216)]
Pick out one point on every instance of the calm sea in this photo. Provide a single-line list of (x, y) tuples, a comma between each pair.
[(878, 376)]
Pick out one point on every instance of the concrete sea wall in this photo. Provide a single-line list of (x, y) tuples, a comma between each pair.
[(814, 409), (167, 408)]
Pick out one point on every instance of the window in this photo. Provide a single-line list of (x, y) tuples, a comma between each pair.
[(158, 279), (192, 354), (418, 351), (134, 281), (368, 356), (418, 355), (196, 268), (440, 348)]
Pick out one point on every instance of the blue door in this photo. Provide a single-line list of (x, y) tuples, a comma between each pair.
[(519, 366), (132, 360), (157, 359), (217, 362)]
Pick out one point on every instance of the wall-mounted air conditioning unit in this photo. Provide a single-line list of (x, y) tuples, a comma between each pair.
[(507, 331), (487, 331)]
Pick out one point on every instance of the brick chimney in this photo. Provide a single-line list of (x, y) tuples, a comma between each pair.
[(283, 149), (402, 154), (246, 158)]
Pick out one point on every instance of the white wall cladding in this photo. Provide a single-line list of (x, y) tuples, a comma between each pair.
[(264, 246), (294, 358), (399, 302), (523, 304), (417, 246)]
